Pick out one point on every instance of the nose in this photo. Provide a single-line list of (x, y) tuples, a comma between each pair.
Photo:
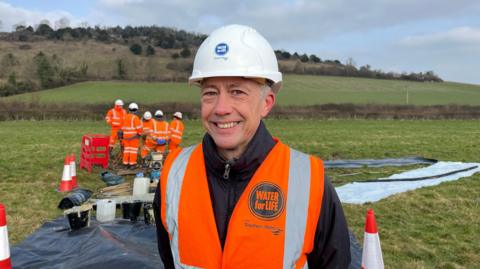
[(223, 106)]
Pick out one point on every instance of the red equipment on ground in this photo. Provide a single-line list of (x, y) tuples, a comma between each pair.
[(94, 151)]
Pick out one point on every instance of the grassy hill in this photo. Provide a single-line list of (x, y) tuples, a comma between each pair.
[(297, 90), (100, 58)]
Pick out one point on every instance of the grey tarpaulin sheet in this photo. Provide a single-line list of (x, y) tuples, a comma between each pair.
[(119, 245), (377, 162)]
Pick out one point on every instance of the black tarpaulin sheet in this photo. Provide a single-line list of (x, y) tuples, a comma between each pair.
[(118, 245), (377, 162)]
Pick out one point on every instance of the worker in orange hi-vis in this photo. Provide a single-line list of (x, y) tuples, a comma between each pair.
[(114, 118), (176, 131), (132, 131), (161, 132), (147, 131)]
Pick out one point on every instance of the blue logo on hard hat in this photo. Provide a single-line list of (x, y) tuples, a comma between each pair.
[(221, 49)]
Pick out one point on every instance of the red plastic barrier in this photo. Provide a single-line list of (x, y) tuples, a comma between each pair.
[(94, 151)]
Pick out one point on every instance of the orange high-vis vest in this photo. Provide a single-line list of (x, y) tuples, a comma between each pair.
[(115, 117), (131, 126), (272, 226), (147, 126), (176, 131), (159, 131)]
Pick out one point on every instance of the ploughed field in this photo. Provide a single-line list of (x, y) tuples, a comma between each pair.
[(434, 227)]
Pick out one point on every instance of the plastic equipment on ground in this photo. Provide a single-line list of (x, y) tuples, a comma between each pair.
[(372, 257), (5, 262)]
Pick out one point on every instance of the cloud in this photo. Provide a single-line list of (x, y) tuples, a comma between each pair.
[(11, 16), (300, 19), (460, 36)]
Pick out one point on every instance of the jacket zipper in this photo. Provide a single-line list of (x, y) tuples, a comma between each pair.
[(230, 203), (226, 174)]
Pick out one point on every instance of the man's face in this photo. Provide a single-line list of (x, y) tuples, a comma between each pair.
[(232, 108)]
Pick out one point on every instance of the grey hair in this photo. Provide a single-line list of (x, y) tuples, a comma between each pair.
[(264, 89)]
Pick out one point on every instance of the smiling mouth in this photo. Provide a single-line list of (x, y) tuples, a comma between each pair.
[(227, 125)]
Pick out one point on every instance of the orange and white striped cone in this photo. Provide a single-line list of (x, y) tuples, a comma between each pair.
[(66, 183), (372, 257), (73, 171), (5, 262)]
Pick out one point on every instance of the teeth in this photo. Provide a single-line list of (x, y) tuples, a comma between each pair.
[(226, 125)]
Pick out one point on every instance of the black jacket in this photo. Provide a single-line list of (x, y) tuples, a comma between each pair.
[(228, 179)]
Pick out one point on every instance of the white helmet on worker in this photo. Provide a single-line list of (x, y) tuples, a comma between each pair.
[(133, 107), (158, 114), (118, 102), (178, 115), (236, 51), (147, 115)]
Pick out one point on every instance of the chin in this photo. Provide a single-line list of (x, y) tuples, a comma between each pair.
[(224, 143)]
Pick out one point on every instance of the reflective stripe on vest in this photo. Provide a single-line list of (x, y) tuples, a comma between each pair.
[(174, 185), (297, 207), (300, 215)]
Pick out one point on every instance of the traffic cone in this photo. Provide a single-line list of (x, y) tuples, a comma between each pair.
[(5, 262), (372, 257), (66, 183), (73, 170)]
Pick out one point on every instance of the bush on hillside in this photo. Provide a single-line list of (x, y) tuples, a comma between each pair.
[(136, 49), (121, 70), (51, 73), (185, 53), (44, 30), (45, 71), (16, 87), (150, 51), (304, 58)]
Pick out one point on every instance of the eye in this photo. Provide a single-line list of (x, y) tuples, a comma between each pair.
[(237, 92), (208, 93)]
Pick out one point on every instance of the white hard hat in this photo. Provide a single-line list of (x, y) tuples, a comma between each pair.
[(118, 102), (238, 51), (132, 106), (178, 115), (147, 115), (158, 113)]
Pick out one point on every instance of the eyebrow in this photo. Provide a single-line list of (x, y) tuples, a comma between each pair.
[(208, 85)]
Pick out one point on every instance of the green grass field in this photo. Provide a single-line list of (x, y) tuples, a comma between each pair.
[(434, 227), (298, 90)]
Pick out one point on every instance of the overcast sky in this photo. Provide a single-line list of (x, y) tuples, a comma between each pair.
[(392, 35)]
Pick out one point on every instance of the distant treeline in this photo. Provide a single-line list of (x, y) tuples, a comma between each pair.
[(13, 110), (170, 38), (316, 66)]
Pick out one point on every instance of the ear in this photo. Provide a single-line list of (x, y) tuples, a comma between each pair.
[(268, 103)]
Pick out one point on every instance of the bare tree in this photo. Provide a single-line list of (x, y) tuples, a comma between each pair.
[(63, 22), (350, 62), (83, 24)]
